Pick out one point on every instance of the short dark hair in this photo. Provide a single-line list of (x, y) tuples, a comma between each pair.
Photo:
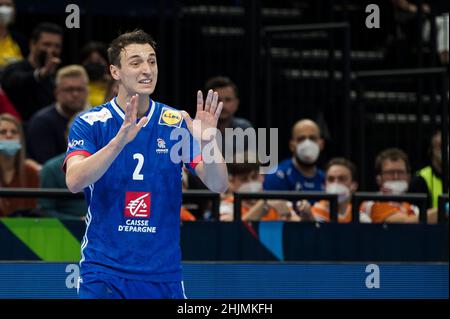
[(220, 82), (343, 162), (45, 27), (134, 37), (92, 47), (243, 164), (392, 154)]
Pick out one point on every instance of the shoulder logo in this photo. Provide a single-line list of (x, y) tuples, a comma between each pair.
[(91, 117), (170, 117)]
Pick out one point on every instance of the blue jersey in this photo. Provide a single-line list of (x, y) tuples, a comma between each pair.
[(289, 178), (133, 218)]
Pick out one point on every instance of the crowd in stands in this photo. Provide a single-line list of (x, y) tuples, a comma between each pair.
[(40, 95)]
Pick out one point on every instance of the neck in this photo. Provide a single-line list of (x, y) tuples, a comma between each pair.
[(436, 165), (342, 207), (306, 170), (64, 112), (7, 163), (143, 101), (222, 124)]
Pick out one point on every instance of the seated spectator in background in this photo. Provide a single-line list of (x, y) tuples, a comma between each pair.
[(393, 176), (429, 179), (52, 176), (29, 84), (244, 177), (46, 129), (229, 96), (300, 173), (94, 59), (15, 170), (7, 107), (340, 179), (13, 45)]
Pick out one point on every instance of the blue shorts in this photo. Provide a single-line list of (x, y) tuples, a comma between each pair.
[(106, 286)]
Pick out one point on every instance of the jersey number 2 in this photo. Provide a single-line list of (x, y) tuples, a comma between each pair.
[(137, 176)]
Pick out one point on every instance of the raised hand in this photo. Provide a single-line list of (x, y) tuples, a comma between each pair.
[(130, 128), (207, 115)]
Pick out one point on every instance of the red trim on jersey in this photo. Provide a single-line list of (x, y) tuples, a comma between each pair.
[(85, 153), (195, 161)]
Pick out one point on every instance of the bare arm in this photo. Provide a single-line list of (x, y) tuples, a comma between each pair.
[(83, 171)]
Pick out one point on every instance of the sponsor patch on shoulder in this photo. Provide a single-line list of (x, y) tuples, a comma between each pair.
[(91, 117), (170, 117)]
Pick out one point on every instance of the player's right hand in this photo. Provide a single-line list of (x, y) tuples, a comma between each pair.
[(130, 128)]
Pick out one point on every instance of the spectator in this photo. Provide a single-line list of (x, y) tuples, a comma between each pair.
[(340, 179), (393, 175), (30, 83), (49, 124), (13, 45), (245, 177), (429, 179), (94, 59), (15, 170), (229, 95), (300, 173), (52, 176), (7, 107), (185, 214)]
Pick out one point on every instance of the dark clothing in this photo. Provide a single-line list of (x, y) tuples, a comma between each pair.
[(21, 41), (25, 93), (52, 176), (46, 134)]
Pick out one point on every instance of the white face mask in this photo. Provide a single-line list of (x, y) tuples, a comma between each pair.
[(395, 187), (341, 190), (6, 14), (308, 151), (251, 187)]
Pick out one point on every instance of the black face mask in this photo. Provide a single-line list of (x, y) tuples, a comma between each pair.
[(95, 71)]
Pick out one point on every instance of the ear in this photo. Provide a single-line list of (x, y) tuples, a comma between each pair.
[(379, 180), (321, 144), (354, 187), (114, 70), (292, 146)]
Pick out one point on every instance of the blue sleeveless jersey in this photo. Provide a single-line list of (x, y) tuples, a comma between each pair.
[(133, 218)]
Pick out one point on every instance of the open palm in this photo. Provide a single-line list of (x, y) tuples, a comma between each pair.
[(207, 115)]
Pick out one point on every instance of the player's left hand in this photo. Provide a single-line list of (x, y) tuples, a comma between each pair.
[(207, 115)]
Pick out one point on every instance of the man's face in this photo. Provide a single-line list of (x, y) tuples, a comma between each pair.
[(138, 71), (304, 131), (340, 174), (48, 42), (71, 93), (230, 101), (393, 171)]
